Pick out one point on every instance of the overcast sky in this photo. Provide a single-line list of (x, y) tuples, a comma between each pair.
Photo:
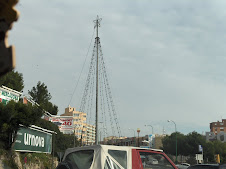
[(165, 59)]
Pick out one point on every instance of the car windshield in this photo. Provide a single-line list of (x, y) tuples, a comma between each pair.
[(154, 161)]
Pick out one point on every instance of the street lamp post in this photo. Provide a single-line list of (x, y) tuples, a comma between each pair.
[(138, 131), (151, 127), (74, 135), (134, 142), (176, 135)]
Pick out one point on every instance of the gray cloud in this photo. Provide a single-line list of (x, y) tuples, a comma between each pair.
[(164, 59)]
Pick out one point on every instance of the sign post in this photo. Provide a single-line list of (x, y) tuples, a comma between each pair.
[(201, 150), (199, 158)]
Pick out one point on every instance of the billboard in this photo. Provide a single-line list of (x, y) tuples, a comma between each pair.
[(210, 136), (7, 94), (151, 140), (65, 123), (33, 140)]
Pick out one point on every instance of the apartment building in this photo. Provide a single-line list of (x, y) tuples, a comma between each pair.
[(217, 127), (90, 134), (133, 141), (84, 132)]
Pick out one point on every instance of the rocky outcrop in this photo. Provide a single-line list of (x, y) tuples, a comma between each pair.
[(33, 161), (17, 160)]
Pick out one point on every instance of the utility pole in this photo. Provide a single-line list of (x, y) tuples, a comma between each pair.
[(176, 136)]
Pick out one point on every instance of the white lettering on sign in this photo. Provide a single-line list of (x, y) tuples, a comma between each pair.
[(33, 140), (18, 141), (19, 134), (64, 123), (9, 96)]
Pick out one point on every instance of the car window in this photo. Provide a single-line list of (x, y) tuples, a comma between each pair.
[(109, 164), (81, 159), (154, 161), (120, 156)]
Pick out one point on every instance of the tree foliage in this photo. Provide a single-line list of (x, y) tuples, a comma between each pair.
[(187, 145), (169, 143), (41, 95), (11, 116), (193, 140), (13, 80)]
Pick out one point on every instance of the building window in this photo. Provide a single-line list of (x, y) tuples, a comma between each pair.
[(216, 128)]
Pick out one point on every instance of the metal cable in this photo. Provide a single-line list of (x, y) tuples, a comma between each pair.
[(82, 69), (83, 102), (106, 103), (110, 97)]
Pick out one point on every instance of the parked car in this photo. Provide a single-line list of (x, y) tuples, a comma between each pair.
[(115, 157), (207, 166), (183, 165)]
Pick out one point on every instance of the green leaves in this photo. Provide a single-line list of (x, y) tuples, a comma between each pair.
[(13, 80), (187, 145), (41, 95), (12, 115)]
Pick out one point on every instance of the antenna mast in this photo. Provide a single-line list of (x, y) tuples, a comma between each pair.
[(97, 24)]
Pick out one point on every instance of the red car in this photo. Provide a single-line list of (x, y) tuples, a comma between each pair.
[(115, 157)]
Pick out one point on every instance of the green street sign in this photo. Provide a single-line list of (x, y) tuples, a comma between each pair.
[(33, 140)]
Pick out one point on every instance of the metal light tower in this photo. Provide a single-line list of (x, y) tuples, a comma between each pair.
[(97, 24), (97, 91)]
